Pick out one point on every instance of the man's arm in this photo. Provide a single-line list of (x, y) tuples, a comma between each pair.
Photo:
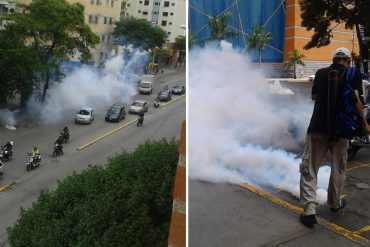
[(360, 108)]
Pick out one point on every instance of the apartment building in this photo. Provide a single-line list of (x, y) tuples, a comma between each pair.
[(170, 15), (100, 15)]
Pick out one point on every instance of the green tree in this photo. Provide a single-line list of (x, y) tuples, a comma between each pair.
[(295, 58), (180, 47), (17, 66), (140, 33), (219, 27), (258, 40), (319, 15), (192, 39), (57, 31), (128, 203)]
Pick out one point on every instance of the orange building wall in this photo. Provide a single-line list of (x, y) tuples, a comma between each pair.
[(296, 37)]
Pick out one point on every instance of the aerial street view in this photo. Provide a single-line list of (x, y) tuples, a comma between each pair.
[(278, 129), (92, 122)]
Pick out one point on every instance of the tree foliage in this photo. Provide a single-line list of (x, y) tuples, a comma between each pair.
[(295, 58), (320, 15), (258, 40), (128, 203), (219, 27), (56, 31), (140, 33), (180, 47), (17, 66)]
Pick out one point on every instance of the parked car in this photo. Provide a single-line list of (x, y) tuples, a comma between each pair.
[(138, 106), (116, 112), (85, 115), (164, 95), (178, 89)]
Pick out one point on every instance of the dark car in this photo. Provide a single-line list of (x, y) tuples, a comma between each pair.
[(178, 90), (164, 95), (115, 113)]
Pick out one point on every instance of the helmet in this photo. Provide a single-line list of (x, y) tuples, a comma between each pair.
[(342, 52), (11, 143), (34, 148)]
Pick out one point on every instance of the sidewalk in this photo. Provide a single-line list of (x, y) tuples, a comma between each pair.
[(230, 215)]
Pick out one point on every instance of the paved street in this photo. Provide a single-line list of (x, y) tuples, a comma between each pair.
[(229, 215), (164, 122)]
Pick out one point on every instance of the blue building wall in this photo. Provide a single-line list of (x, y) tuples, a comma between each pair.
[(270, 13)]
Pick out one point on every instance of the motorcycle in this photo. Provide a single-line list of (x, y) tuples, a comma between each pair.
[(1, 168), (33, 161), (359, 142), (140, 121), (65, 136), (58, 150), (6, 155), (156, 104)]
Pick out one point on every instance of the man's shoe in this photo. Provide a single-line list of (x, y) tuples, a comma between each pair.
[(308, 220), (337, 210)]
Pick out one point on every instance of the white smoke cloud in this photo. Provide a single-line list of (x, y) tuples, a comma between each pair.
[(240, 127), (7, 119), (87, 86)]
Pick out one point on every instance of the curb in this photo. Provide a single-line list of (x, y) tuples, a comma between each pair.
[(4, 187), (177, 233)]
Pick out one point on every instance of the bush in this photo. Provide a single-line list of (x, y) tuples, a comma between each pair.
[(127, 203)]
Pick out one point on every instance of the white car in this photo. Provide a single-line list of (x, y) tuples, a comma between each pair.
[(138, 106), (311, 78), (85, 115)]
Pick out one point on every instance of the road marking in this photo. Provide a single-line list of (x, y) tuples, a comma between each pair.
[(121, 127), (359, 165), (353, 236), (5, 186), (362, 230), (106, 134)]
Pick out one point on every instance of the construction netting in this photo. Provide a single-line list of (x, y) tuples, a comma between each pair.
[(246, 14)]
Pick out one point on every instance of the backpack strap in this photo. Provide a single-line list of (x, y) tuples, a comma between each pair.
[(350, 74)]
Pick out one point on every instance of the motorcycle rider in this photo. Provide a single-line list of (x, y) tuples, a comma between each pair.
[(65, 133), (36, 154), (59, 142), (8, 147), (156, 101), (141, 118)]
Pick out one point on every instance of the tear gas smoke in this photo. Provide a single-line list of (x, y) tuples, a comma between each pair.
[(86, 86), (7, 119), (240, 127)]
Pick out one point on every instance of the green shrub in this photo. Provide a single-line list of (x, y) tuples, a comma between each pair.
[(127, 203)]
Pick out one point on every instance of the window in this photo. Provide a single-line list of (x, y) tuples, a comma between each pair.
[(110, 21), (98, 2), (128, 5), (146, 2), (91, 18), (156, 3), (171, 14), (108, 38), (92, 1), (164, 23), (96, 19), (140, 2), (102, 38), (165, 13), (155, 13), (139, 11), (101, 55), (123, 5), (166, 4), (145, 12), (170, 23), (172, 4), (112, 4), (168, 33), (105, 20)]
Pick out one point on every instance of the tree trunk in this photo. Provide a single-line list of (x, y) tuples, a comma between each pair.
[(46, 87), (363, 52), (294, 70), (260, 58)]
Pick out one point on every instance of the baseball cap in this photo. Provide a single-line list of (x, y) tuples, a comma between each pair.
[(342, 52)]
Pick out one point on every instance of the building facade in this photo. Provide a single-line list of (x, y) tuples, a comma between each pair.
[(170, 15), (279, 17)]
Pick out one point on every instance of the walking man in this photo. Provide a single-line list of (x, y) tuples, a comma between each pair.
[(318, 141)]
